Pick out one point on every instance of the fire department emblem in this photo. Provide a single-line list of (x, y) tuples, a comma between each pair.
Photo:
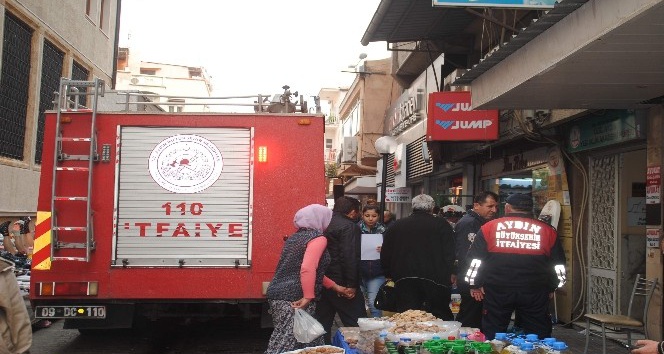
[(185, 164), (471, 237)]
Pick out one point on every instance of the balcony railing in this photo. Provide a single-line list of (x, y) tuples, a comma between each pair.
[(330, 154)]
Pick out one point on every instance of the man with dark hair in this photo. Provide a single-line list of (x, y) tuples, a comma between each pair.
[(517, 262), (485, 207), (418, 255), (343, 243)]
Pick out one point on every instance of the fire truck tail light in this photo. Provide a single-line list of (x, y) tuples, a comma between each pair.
[(69, 288), (262, 154)]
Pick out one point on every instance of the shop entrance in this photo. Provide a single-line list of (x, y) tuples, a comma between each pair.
[(616, 229)]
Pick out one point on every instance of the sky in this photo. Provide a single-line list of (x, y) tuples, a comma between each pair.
[(250, 47)]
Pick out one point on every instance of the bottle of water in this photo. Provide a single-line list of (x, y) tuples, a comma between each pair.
[(499, 342), (379, 343), (532, 338), (559, 348), (527, 348)]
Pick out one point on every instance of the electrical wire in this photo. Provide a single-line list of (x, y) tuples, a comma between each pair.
[(574, 160), (530, 135)]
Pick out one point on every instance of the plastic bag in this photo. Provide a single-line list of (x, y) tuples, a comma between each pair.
[(305, 327)]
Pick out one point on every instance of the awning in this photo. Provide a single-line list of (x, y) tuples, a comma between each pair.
[(361, 185), (415, 20), (550, 18), (356, 170), (608, 54)]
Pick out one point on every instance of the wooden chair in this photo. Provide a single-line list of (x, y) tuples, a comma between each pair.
[(643, 288)]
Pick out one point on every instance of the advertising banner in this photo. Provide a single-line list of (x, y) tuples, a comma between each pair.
[(396, 195), (512, 4), (451, 118), (653, 185), (614, 127)]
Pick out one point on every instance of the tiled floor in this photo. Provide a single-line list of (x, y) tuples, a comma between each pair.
[(575, 337)]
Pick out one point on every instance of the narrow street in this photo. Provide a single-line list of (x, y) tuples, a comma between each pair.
[(227, 336)]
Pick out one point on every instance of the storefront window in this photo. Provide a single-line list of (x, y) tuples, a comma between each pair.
[(448, 190), (508, 185)]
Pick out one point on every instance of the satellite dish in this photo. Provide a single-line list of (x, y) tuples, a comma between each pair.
[(134, 80), (363, 56)]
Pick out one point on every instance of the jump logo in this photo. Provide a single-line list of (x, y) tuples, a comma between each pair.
[(464, 124), (460, 124), (454, 107)]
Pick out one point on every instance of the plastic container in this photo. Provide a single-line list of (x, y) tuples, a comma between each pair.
[(391, 348), (518, 341), (379, 344), (477, 336), (559, 348), (458, 349), (548, 341), (532, 338), (483, 348), (403, 344), (527, 348), (499, 342)]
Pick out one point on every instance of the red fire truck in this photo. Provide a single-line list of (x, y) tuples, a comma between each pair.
[(154, 214)]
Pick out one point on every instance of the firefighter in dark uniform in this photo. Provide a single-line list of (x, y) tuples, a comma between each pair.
[(484, 209), (516, 263)]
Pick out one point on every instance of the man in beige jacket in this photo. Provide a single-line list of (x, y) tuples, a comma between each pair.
[(15, 327)]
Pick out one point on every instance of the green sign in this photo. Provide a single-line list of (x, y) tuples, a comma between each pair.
[(613, 127)]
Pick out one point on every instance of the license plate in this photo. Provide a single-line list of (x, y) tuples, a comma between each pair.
[(70, 312)]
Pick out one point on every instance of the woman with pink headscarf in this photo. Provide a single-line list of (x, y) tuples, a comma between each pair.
[(299, 277)]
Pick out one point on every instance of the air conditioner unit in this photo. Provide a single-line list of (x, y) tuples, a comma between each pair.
[(349, 150)]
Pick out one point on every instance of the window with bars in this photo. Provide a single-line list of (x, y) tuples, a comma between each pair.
[(14, 86), (104, 15), (416, 166), (79, 72), (52, 63)]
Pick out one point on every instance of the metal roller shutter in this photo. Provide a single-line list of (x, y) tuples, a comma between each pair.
[(184, 197)]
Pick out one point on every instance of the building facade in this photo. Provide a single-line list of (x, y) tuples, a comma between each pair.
[(333, 98), (42, 42), (175, 86), (579, 121), (361, 123)]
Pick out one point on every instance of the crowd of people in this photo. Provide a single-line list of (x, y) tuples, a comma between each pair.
[(333, 266)]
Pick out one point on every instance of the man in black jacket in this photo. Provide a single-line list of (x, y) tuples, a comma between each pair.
[(517, 262), (485, 206), (418, 255), (343, 243)]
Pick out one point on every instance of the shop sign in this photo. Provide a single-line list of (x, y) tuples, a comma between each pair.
[(512, 4), (612, 128), (653, 185), (397, 195), (405, 112), (400, 162), (451, 118), (652, 237)]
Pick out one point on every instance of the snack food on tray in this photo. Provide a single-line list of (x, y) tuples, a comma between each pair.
[(323, 349), (412, 316), (351, 335)]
